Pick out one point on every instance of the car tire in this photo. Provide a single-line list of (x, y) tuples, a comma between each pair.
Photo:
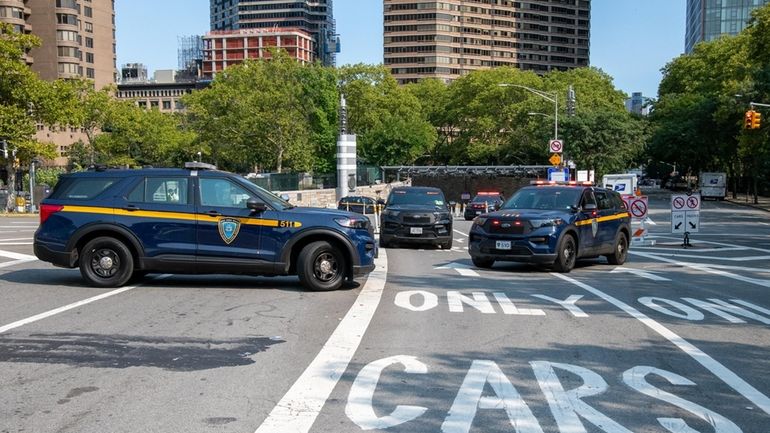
[(106, 262), (620, 250), (482, 263), (446, 245), (321, 266), (566, 254)]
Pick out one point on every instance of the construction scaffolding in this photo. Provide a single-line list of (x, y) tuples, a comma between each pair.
[(190, 51)]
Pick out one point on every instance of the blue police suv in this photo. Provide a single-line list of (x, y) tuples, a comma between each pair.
[(116, 225), (553, 224)]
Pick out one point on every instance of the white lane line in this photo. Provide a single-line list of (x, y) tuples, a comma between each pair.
[(16, 256), (700, 250), (77, 304), (705, 268), (299, 408), (459, 232), (16, 262), (15, 239), (696, 256), (726, 375), (14, 243)]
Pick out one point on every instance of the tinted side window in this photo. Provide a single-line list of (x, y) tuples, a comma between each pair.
[(603, 201), (217, 192), (617, 202), (85, 188), (166, 190), (588, 198)]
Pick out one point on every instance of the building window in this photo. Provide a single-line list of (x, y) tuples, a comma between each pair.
[(66, 35), (90, 73), (89, 57), (71, 4), (89, 42), (87, 11), (67, 19), (154, 104), (70, 68), (142, 104), (166, 105), (89, 27)]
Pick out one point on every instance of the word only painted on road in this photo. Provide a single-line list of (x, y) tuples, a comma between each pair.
[(733, 311), (570, 390)]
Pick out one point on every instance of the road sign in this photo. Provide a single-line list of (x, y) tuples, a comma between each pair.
[(556, 146), (688, 202), (558, 174), (692, 221), (638, 207), (554, 159), (678, 222), (693, 202)]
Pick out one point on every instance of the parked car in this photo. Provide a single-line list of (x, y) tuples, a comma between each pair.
[(117, 225), (358, 204), (486, 201), (416, 215)]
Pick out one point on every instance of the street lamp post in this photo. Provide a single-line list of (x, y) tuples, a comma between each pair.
[(552, 97)]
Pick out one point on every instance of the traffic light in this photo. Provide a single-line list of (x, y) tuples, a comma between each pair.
[(748, 119), (756, 120)]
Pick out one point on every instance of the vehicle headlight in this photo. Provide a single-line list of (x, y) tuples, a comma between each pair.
[(442, 218), (479, 221), (551, 222), (390, 213), (353, 223)]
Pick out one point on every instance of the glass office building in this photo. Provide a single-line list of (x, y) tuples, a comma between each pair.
[(709, 19)]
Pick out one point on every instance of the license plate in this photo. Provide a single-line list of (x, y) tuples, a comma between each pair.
[(415, 230), (503, 245), (478, 212)]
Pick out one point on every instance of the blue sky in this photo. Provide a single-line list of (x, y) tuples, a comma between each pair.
[(630, 39)]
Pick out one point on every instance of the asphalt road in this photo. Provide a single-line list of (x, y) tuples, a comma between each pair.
[(673, 341)]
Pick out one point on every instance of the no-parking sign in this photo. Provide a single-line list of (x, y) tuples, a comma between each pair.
[(638, 207), (556, 146)]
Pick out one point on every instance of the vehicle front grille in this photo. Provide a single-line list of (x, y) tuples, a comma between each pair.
[(418, 219)]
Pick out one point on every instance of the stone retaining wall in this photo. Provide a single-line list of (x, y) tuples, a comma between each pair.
[(327, 197)]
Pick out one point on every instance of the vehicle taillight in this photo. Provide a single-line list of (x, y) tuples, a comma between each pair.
[(47, 210)]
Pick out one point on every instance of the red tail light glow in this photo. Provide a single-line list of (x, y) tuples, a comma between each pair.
[(46, 210)]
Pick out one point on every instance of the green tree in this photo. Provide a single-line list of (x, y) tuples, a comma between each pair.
[(25, 101), (264, 113), (389, 120)]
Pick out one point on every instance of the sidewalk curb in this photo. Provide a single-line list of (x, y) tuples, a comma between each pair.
[(748, 204)]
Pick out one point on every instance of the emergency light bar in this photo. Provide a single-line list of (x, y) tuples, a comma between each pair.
[(562, 183)]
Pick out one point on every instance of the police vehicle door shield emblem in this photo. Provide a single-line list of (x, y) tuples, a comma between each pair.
[(594, 226), (228, 229)]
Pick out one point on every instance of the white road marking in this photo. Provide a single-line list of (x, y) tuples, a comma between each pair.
[(16, 262), (705, 268), (16, 256), (77, 304), (461, 268), (460, 233), (726, 375), (299, 408), (360, 407), (700, 250), (15, 239), (568, 304), (14, 243), (695, 256), (639, 273)]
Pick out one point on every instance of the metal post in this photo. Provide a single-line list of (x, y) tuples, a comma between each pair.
[(32, 186), (556, 116), (346, 154)]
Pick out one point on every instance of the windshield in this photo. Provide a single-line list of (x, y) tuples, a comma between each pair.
[(546, 198), (271, 199), (416, 197)]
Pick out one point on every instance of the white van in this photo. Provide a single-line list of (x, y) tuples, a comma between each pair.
[(623, 184), (713, 186)]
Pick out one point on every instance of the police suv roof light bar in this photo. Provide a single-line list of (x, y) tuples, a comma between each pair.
[(195, 165)]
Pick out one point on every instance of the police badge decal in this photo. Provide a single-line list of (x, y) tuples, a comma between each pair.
[(228, 229)]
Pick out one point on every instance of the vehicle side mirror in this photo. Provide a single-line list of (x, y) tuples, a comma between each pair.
[(256, 205), (590, 207)]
